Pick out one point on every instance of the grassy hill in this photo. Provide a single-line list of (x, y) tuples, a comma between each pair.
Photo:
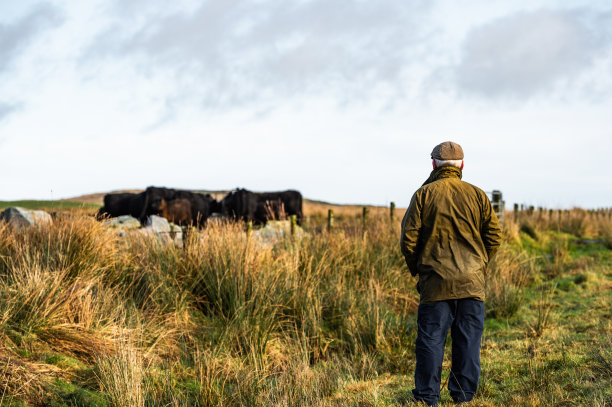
[(49, 205), (312, 208)]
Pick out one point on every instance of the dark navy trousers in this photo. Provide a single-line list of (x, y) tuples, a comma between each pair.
[(465, 319)]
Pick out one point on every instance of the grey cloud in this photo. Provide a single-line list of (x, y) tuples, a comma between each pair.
[(6, 109), (523, 54), (14, 37), (240, 51)]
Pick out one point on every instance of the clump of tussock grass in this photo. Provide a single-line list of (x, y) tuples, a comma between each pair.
[(559, 258), (303, 385), (57, 278), (543, 307), (212, 376), (122, 376), (24, 380), (507, 275), (47, 306), (79, 245)]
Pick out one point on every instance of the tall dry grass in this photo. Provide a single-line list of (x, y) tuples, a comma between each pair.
[(506, 277), (251, 322), (222, 320), (122, 375), (588, 224)]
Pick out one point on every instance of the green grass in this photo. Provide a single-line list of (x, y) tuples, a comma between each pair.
[(47, 205), (91, 319), (64, 394), (568, 363), (553, 364)]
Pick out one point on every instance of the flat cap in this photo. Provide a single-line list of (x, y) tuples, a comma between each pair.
[(447, 151)]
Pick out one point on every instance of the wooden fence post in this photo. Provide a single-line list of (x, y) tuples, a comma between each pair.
[(391, 210), (330, 220), (516, 209), (365, 216), (293, 219)]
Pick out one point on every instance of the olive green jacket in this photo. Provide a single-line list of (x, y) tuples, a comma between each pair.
[(449, 234)]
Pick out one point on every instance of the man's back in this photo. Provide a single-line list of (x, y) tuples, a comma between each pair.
[(449, 233)]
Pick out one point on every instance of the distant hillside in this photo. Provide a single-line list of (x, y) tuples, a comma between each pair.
[(98, 197), (312, 207), (49, 205)]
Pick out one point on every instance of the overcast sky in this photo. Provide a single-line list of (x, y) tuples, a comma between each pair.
[(343, 100)]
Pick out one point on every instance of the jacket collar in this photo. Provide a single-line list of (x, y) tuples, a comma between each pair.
[(443, 172)]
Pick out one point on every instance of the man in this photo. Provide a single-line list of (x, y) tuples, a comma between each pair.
[(449, 235)]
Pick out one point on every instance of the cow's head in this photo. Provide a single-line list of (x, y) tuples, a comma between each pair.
[(155, 197), (227, 204)]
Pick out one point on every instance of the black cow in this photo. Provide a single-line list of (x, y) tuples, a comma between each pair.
[(119, 204), (275, 203), (264, 206), (202, 205), (240, 204)]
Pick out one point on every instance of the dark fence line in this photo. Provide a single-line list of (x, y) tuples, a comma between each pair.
[(522, 209), (497, 202)]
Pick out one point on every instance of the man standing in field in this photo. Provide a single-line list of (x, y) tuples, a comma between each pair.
[(449, 235)]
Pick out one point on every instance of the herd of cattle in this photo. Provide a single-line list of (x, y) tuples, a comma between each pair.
[(194, 208)]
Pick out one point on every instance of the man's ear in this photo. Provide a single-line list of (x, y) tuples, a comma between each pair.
[(462, 164)]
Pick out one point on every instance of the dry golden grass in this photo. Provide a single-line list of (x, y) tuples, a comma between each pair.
[(122, 374), (324, 319), (320, 210), (25, 380), (578, 222)]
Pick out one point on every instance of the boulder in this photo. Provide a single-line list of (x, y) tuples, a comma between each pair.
[(165, 231), (158, 224), (125, 222), (25, 217), (276, 231)]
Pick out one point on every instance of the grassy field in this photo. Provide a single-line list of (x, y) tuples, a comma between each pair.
[(91, 319), (49, 205)]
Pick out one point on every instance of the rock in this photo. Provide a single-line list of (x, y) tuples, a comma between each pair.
[(25, 217), (165, 231), (276, 231), (124, 222), (158, 224)]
